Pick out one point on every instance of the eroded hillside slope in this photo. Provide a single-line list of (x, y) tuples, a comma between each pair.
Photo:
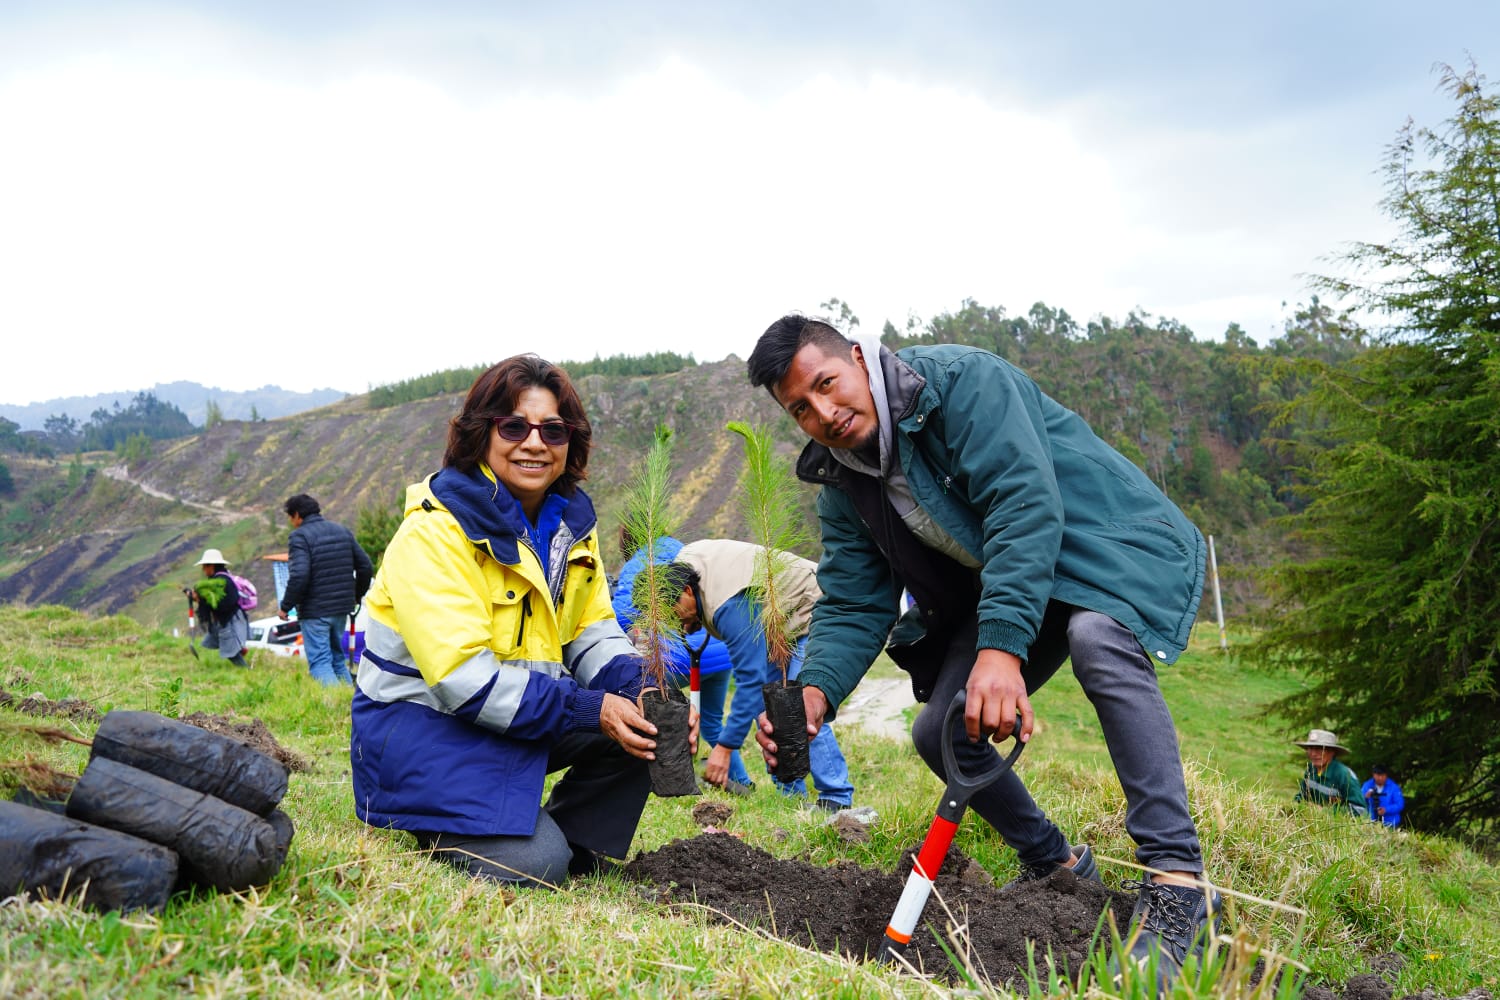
[(126, 541)]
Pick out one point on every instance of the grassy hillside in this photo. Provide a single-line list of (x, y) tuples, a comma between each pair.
[(118, 540), (357, 912), (349, 455)]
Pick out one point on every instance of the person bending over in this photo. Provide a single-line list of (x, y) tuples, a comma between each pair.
[(1025, 540), (711, 583)]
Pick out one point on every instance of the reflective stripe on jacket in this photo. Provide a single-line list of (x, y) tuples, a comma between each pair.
[(476, 663)]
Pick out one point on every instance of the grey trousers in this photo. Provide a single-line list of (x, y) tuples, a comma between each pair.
[(593, 810), (1120, 681), (230, 638)]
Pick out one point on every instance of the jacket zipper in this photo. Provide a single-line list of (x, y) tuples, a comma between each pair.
[(525, 610)]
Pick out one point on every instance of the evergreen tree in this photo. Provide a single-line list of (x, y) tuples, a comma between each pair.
[(148, 416), (375, 526), (769, 494), (62, 431), (1395, 608), (458, 380)]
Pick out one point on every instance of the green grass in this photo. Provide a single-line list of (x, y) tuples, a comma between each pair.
[(358, 912), (1216, 702)]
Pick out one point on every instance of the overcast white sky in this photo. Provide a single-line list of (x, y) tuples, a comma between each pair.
[(345, 194)]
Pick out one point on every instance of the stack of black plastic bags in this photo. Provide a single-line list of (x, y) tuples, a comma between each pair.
[(161, 806)]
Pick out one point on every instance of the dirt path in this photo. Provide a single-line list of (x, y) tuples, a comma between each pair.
[(120, 473), (877, 705)]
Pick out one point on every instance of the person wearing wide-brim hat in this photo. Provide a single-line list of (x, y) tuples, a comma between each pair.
[(225, 626), (1327, 780)]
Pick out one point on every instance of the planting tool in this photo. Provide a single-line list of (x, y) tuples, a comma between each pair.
[(695, 672), (192, 624), (961, 788), (353, 653)]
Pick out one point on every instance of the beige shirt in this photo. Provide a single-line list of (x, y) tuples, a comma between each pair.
[(726, 567)]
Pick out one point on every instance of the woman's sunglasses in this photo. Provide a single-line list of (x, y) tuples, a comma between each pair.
[(553, 432)]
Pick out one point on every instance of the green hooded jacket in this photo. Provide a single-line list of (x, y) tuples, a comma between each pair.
[(1022, 484)]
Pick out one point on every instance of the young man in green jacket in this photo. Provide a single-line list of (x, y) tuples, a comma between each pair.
[(1025, 540)]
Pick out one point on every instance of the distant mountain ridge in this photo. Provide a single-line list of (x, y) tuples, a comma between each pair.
[(192, 398)]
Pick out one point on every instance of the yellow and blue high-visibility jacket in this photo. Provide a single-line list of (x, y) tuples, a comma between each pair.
[(488, 640)]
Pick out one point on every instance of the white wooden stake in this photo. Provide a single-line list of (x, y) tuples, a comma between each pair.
[(1213, 564)]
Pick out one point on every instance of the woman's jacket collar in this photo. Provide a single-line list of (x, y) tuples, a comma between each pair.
[(491, 517)]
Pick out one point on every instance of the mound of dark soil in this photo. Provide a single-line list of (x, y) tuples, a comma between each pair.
[(254, 734), (844, 909), (39, 705)]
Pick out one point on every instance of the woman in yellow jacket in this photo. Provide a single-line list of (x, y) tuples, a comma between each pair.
[(492, 653)]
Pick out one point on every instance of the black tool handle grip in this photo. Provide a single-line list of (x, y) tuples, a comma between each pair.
[(961, 785)]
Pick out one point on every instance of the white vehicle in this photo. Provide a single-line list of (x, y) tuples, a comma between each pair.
[(283, 638)]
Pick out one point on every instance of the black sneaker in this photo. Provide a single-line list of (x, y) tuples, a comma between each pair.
[(1170, 922), (828, 806), (739, 787), (1085, 868)]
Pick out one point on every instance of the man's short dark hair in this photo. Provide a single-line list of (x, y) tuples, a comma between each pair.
[(671, 580), (301, 505), (1379, 769), (782, 340)]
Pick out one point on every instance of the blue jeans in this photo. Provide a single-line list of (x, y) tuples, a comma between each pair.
[(322, 644), (1120, 681), (735, 621), (713, 689)]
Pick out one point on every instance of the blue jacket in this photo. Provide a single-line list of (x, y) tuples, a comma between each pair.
[(1046, 509), (488, 639), (1391, 800), (715, 656)]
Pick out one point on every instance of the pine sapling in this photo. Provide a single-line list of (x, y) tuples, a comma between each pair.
[(770, 500), (648, 516)]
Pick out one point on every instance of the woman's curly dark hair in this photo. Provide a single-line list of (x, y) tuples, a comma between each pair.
[(494, 394)]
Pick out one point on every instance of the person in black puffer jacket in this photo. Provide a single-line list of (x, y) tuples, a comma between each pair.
[(328, 574)]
